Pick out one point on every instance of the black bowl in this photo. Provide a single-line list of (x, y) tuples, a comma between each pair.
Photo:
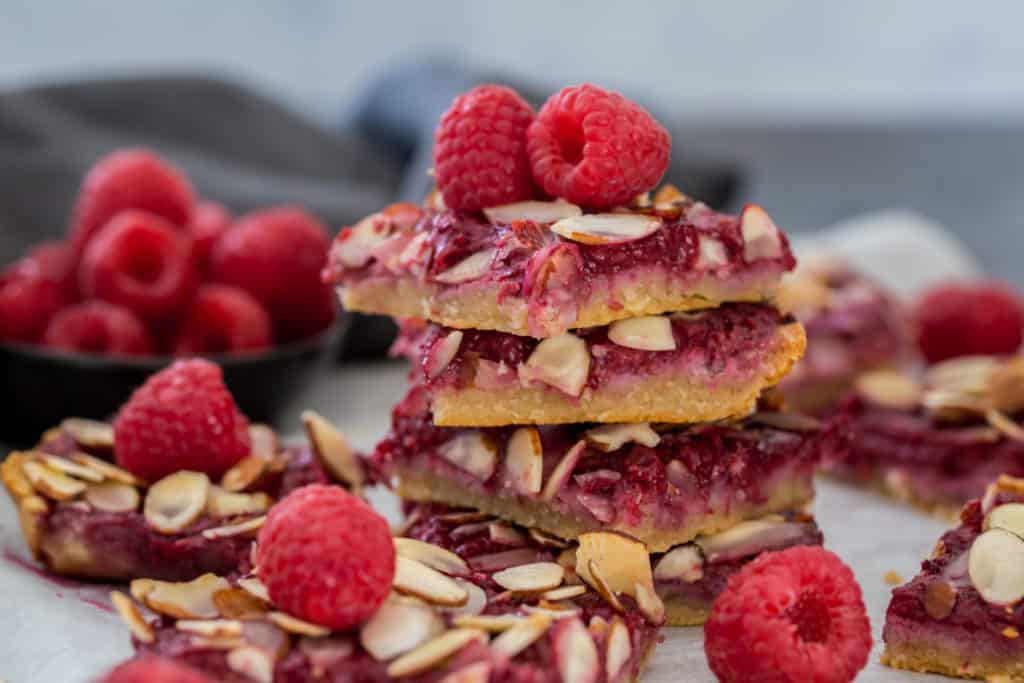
[(41, 387)]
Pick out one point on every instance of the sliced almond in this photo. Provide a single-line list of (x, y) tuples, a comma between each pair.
[(221, 503), (299, 627), (761, 239), (237, 603), (473, 267), (537, 576), (468, 530), (181, 600), (413, 251), (434, 556), (177, 500), (476, 603), (524, 460), (563, 470), (51, 483), (645, 333), (1005, 425), (249, 526), (649, 604), (623, 561), (607, 228), (254, 587), (564, 593), (69, 467), (575, 652), (325, 653), (269, 638), (562, 362), (710, 253), (1006, 386), (939, 599), (465, 517), (90, 434), (612, 437), (996, 566), (354, 247), (492, 562), (492, 623), (132, 617), (964, 374), (212, 628), (31, 512), (244, 473), (522, 635), (596, 579), (748, 538), (253, 662), (685, 563), (334, 450), (416, 578), (108, 470), (889, 388), (503, 534), (546, 539), (1009, 517), (398, 626), (262, 442), (13, 476), (534, 211), (433, 652), (472, 452), (619, 648), (441, 353), (113, 496)]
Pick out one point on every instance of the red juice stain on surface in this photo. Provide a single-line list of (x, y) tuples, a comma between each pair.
[(96, 603), (19, 561)]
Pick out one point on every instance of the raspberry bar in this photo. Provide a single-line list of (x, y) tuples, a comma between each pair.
[(662, 486), (963, 614), (853, 326), (935, 441), (80, 514), (686, 367), (541, 268)]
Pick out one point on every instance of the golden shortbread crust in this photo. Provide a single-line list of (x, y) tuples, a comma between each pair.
[(927, 658)]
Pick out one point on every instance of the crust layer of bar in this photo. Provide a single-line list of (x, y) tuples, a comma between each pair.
[(927, 658), (680, 613)]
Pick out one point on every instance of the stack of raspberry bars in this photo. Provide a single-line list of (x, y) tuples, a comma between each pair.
[(584, 374)]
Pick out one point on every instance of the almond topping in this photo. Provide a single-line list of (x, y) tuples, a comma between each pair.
[(563, 470), (132, 617), (441, 353), (537, 212), (70, 468), (645, 333), (30, 517), (492, 623), (503, 534), (685, 563), (710, 253), (334, 450), (562, 362), (524, 460), (354, 250), (249, 526), (622, 561), (472, 452), (473, 267), (108, 470), (996, 566), (493, 562), (939, 599), (564, 593), (262, 442), (13, 475), (176, 501), (619, 648), (465, 517), (747, 538), (51, 483), (546, 539), (253, 662), (113, 496), (237, 603), (255, 588), (612, 437), (434, 556), (416, 578), (1005, 425), (244, 473), (761, 238), (889, 388), (476, 603), (183, 600), (400, 625), (433, 652), (1009, 517), (413, 250), (537, 576), (89, 433), (607, 228), (597, 580), (522, 635), (221, 503), (575, 653), (649, 604), (297, 626), (211, 628)]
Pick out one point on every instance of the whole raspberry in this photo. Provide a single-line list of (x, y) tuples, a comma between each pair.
[(221, 319), (27, 302), (326, 556), (153, 669), (51, 260), (209, 221), (98, 327), (968, 318), (480, 149), (596, 148), (788, 617), (140, 261), (182, 418), (129, 179), (277, 255)]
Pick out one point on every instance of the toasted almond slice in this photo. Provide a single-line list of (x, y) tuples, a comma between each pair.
[(355, 246), (132, 617), (476, 603), (249, 526), (564, 593), (217, 643), (255, 588), (1006, 386), (325, 653), (297, 626), (262, 442), (473, 452), (612, 437), (473, 267), (503, 534), (761, 238), (524, 460), (623, 561), (176, 501), (434, 556), (493, 562), (433, 652), (1009, 517), (416, 578), (212, 628), (221, 503), (465, 517), (400, 625), (51, 483), (183, 600), (945, 405), (537, 576), (478, 672), (492, 623), (684, 563), (596, 579), (575, 652), (237, 603), (113, 496), (108, 470), (889, 388), (253, 662), (748, 538), (996, 566), (939, 598), (964, 374), (31, 512), (89, 433), (413, 250), (441, 353), (244, 473), (546, 539), (1005, 425), (607, 228), (644, 333), (563, 470), (467, 530), (334, 450), (710, 253), (535, 211), (69, 467), (649, 604), (562, 362), (13, 476), (522, 635), (619, 648)]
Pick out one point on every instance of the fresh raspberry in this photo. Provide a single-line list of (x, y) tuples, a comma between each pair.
[(182, 418), (968, 318), (129, 179), (480, 149), (51, 260), (223, 318), (140, 261), (787, 617), (209, 221), (153, 669), (277, 255), (27, 302), (98, 327), (326, 556), (596, 148)]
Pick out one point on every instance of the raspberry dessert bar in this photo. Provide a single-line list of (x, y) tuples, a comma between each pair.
[(853, 325), (935, 441), (541, 268), (963, 614), (662, 486)]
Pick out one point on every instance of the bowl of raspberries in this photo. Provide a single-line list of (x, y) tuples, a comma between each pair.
[(149, 271)]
